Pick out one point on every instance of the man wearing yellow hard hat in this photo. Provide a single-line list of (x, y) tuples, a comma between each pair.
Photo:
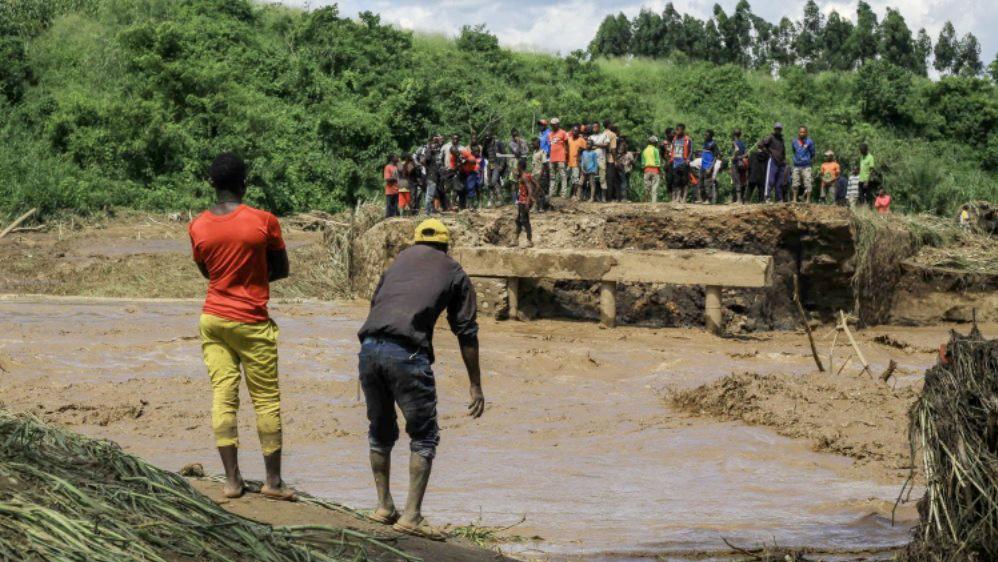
[(396, 358)]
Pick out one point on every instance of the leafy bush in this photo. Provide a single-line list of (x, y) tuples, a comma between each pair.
[(125, 102)]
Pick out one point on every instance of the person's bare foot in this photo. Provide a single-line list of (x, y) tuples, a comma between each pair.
[(385, 515), (234, 489), (418, 527), (281, 492)]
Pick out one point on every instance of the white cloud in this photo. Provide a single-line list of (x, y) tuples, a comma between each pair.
[(565, 25)]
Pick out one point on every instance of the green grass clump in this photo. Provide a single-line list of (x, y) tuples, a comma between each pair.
[(66, 497)]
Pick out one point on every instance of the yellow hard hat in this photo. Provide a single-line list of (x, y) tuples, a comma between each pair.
[(432, 230)]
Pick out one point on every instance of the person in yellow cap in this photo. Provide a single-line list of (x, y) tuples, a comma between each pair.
[(396, 359)]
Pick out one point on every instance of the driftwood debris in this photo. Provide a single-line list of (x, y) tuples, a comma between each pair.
[(17, 222), (852, 341), (807, 327)]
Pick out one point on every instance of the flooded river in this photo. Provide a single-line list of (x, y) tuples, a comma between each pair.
[(577, 441)]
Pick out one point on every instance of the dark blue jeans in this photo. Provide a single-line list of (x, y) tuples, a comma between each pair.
[(391, 374)]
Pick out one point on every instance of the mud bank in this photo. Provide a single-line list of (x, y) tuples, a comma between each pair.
[(846, 414), (843, 263)]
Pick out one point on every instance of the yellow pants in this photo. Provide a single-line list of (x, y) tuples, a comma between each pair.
[(227, 345)]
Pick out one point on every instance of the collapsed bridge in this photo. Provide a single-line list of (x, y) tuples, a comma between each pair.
[(711, 268)]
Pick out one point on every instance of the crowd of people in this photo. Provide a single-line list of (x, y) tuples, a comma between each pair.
[(596, 162)]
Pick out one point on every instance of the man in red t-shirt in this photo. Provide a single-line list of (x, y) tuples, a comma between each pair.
[(559, 156), (239, 250), (391, 173)]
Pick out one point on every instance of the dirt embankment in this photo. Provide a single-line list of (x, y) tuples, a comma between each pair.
[(854, 416), (845, 261), (143, 255)]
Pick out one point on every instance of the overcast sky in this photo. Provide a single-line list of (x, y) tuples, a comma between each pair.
[(564, 25)]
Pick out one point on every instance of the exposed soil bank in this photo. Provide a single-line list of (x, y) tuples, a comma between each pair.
[(843, 263), (846, 414)]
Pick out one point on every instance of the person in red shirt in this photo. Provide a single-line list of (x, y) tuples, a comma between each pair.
[(882, 203), (391, 173), (240, 251), (559, 155), (527, 187), (465, 162)]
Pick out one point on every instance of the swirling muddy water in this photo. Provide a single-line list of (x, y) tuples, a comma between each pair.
[(577, 441)]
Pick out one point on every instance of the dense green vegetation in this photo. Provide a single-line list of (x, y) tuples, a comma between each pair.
[(109, 103)]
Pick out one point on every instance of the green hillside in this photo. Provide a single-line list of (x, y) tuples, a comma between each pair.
[(123, 103)]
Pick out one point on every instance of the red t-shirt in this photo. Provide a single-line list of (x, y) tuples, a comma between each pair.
[(559, 144), (523, 194), (391, 179), (234, 248)]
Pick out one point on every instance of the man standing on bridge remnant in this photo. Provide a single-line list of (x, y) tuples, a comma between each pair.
[(776, 171), (239, 250), (396, 358)]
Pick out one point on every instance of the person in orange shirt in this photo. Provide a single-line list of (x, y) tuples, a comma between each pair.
[(391, 174), (882, 203), (240, 251), (559, 155), (576, 144), (830, 172)]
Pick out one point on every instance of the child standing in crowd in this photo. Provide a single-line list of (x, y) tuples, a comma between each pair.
[(576, 145), (391, 174), (473, 183), (883, 203), (739, 167), (803, 158), (651, 164), (866, 164), (590, 169), (526, 188), (708, 188), (406, 184), (852, 192), (758, 168), (830, 173), (841, 191), (538, 161)]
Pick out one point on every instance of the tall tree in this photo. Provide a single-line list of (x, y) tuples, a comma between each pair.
[(923, 49), (968, 58), (807, 44), (896, 45), (648, 34), (836, 49), (672, 26), (946, 49), (781, 43), (741, 24), (993, 69), (690, 37), (613, 38), (711, 46), (865, 38), (762, 54)]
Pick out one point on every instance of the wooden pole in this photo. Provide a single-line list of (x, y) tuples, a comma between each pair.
[(712, 309), (513, 295), (17, 222), (608, 303), (807, 327), (862, 359)]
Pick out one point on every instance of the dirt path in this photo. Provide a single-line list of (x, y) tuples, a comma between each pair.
[(256, 507), (578, 437)]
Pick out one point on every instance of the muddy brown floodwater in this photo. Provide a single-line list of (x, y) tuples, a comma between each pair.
[(577, 437)]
